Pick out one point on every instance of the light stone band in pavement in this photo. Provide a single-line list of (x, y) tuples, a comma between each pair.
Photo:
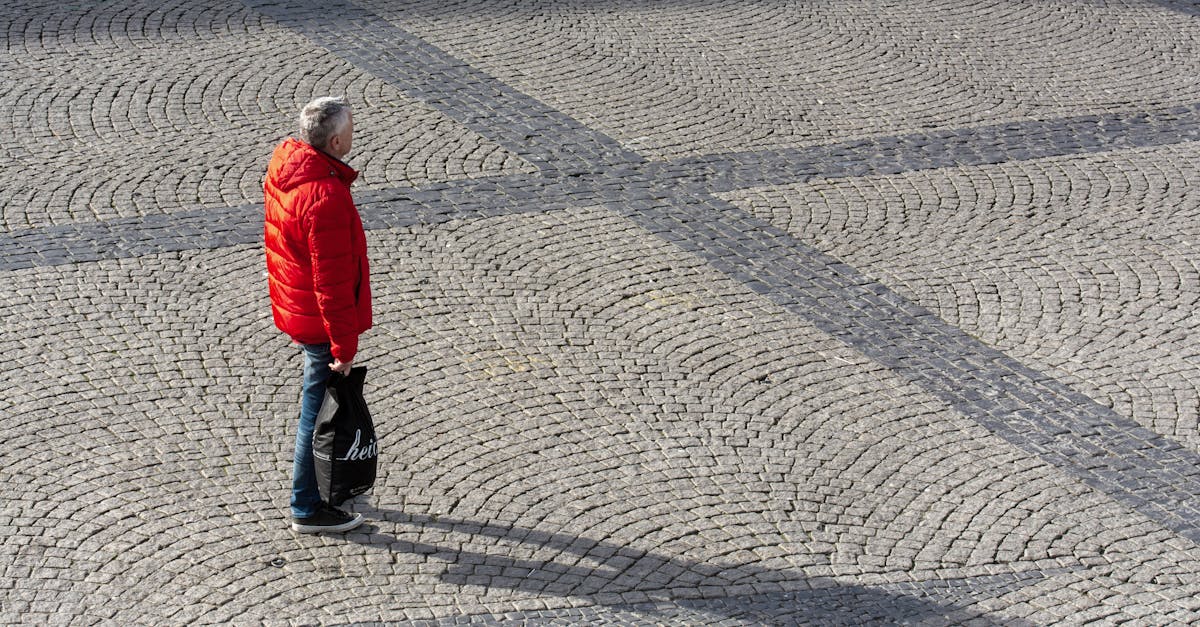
[(696, 313)]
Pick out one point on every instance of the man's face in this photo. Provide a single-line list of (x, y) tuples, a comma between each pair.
[(339, 144)]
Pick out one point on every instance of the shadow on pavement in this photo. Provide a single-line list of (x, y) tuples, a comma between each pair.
[(648, 583)]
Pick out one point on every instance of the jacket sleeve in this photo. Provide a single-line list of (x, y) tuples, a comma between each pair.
[(335, 271)]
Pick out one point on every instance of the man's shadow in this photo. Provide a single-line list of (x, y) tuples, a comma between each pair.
[(649, 583)]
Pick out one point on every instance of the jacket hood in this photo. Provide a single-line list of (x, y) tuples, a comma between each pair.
[(296, 163)]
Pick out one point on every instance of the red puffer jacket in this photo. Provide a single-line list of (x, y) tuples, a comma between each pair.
[(316, 249)]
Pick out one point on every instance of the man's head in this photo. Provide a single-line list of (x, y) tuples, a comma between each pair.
[(326, 124)]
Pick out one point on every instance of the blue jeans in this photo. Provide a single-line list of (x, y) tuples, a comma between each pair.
[(306, 498)]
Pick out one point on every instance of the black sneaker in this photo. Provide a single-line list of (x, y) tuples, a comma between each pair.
[(327, 519)]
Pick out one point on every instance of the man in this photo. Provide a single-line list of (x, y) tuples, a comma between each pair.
[(319, 279)]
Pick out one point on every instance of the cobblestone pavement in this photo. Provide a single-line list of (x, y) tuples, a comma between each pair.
[(710, 312)]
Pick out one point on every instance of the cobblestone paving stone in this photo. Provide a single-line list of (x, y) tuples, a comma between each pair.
[(688, 313)]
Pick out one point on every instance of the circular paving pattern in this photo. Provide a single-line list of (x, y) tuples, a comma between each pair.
[(719, 76), (136, 109), (1085, 267), (570, 410), (703, 390)]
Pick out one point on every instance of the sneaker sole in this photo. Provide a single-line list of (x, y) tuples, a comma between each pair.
[(346, 526)]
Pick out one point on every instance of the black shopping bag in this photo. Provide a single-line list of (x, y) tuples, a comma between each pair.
[(345, 450)]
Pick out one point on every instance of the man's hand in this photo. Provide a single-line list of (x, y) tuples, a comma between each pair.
[(342, 368)]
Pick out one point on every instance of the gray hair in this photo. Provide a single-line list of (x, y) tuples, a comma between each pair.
[(323, 118)]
